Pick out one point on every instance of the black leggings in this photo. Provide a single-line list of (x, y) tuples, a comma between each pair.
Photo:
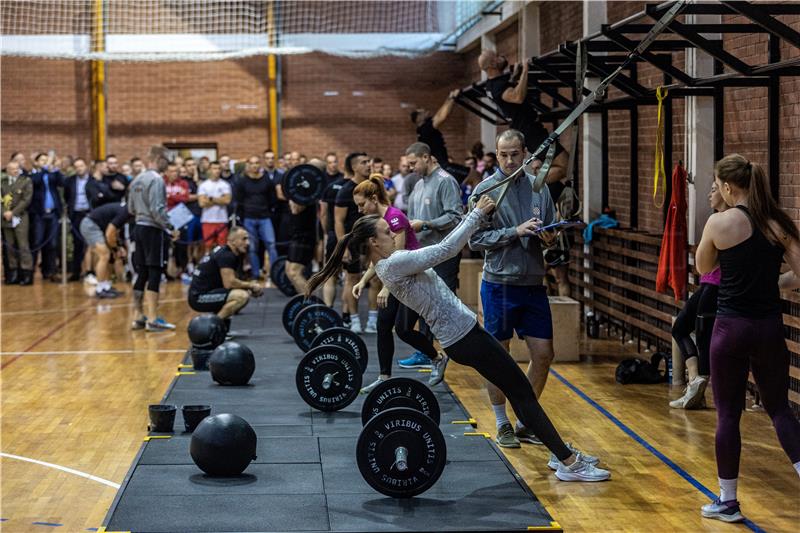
[(698, 316), (402, 319), (147, 275), (480, 350)]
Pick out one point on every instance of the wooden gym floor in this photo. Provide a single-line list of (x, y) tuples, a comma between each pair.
[(76, 383)]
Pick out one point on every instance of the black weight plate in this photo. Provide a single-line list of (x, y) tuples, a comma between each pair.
[(344, 338), (277, 273), (401, 392), (378, 442), (311, 321), (344, 385), (294, 306), (304, 184)]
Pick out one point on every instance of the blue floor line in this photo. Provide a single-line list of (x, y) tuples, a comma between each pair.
[(649, 447), (51, 524)]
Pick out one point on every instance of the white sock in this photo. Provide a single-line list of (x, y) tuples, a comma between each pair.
[(355, 319), (727, 489), (500, 414), (106, 285), (372, 318), (797, 467)]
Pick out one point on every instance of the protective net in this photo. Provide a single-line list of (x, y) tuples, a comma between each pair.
[(207, 30)]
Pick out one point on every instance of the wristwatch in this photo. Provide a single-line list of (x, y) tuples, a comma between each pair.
[(425, 227)]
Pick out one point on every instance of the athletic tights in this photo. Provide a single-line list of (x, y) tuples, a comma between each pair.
[(402, 319), (740, 345), (480, 350), (702, 303)]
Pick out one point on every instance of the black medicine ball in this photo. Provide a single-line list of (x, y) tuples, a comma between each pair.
[(232, 363), (223, 445)]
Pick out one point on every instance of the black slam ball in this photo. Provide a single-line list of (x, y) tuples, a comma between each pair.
[(207, 331), (223, 445), (232, 363)]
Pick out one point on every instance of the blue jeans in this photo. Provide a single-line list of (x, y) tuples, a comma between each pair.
[(260, 230)]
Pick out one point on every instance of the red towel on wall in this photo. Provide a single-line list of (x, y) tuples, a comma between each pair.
[(672, 263)]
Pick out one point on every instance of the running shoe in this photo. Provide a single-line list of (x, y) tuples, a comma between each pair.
[(505, 437), (417, 360), (355, 325), (139, 323), (694, 395), (90, 279), (106, 294), (437, 370), (554, 462), (581, 470), (726, 511), (159, 324), (372, 327), (526, 435), (368, 388)]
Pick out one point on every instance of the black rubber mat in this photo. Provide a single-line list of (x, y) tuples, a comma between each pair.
[(306, 477)]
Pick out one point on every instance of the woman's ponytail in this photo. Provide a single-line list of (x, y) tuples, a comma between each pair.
[(331, 267)]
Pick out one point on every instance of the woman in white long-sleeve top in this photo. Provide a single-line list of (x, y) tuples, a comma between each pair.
[(410, 278)]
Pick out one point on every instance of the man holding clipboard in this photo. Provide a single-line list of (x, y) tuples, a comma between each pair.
[(513, 295)]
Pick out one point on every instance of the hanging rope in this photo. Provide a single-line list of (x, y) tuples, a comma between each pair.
[(659, 170)]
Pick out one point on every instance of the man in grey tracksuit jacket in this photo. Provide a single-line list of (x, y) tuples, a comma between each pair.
[(147, 202), (512, 294)]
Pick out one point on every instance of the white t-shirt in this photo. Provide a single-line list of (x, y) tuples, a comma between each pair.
[(214, 189)]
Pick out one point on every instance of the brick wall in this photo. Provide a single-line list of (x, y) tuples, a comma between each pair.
[(45, 104), (369, 103), (226, 102), (559, 22)]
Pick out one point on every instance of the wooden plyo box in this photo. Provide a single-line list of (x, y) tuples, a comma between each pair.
[(566, 314)]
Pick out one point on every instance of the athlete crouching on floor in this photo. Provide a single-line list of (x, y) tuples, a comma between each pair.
[(410, 278), (215, 287)]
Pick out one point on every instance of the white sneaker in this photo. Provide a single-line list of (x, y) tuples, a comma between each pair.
[(581, 470), (372, 327), (368, 388), (355, 325), (437, 370), (554, 462), (694, 395), (90, 279)]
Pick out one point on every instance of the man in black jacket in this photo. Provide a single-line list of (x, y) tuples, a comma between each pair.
[(254, 193), (45, 211), (78, 206)]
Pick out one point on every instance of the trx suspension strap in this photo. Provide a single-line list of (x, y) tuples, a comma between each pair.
[(548, 145), (658, 171)]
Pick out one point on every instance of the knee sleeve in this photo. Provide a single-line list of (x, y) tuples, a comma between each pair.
[(153, 278), (141, 280)]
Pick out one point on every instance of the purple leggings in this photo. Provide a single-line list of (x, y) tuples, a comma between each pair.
[(738, 345)]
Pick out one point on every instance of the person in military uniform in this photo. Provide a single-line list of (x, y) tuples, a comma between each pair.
[(16, 190)]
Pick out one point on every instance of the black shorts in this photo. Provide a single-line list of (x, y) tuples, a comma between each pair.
[(330, 246), (209, 302), (151, 246), (300, 252), (353, 267)]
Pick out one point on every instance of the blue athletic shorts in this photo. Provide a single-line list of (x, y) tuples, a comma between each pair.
[(194, 230), (521, 308)]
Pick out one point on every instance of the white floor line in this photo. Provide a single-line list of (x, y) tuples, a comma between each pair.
[(62, 468), (91, 352)]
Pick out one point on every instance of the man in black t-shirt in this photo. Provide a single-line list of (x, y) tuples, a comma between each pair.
[(357, 167), (215, 287), (255, 197), (101, 230), (327, 205), (516, 103), (117, 182), (428, 132)]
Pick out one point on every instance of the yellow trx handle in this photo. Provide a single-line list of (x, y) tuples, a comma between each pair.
[(659, 171)]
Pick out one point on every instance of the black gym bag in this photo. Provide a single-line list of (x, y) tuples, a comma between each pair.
[(635, 370)]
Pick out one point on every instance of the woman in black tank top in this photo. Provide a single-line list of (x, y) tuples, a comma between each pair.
[(749, 243)]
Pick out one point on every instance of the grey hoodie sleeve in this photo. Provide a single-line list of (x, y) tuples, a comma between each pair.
[(488, 237), (157, 200), (450, 194), (408, 263)]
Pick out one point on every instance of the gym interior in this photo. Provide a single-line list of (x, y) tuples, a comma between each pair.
[(261, 424)]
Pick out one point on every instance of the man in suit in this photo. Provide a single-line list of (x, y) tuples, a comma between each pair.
[(16, 191), (45, 211), (78, 206)]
